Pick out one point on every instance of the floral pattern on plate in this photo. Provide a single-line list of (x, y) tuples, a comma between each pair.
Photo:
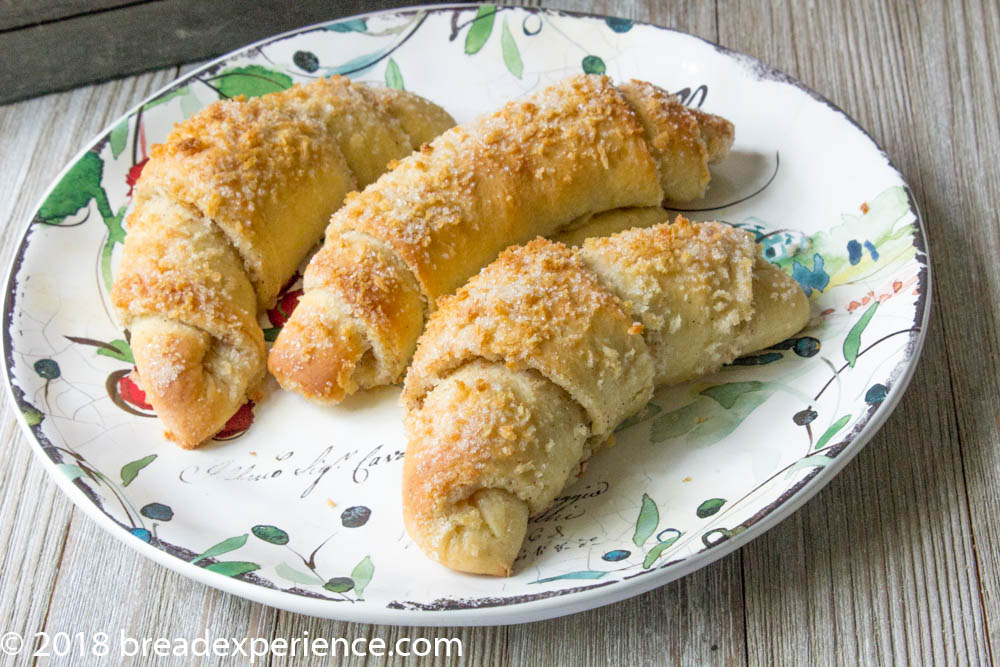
[(298, 506)]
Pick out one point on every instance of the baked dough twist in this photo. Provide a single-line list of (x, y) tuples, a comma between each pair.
[(573, 149), (225, 211), (527, 370)]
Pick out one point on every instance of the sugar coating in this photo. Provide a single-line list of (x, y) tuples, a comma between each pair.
[(571, 150), (484, 452), (225, 210)]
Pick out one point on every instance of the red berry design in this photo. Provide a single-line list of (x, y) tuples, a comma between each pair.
[(238, 423), (283, 310), (133, 174), (131, 393)]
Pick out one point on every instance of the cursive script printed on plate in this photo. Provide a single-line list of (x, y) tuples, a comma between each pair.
[(311, 467)]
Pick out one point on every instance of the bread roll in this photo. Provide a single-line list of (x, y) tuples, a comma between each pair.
[(569, 151), (225, 211), (610, 222), (527, 370)]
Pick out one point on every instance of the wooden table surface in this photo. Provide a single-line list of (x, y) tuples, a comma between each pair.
[(898, 559)]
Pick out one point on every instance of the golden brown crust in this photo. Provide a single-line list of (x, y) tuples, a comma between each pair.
[(478, 525), (718, 134), (683, 282), (579, 147), (270, 170), (421, 119), (524, 171), (226, 209), (322, 357), (360, 300), (537, 307), (674, 139), (610, 222), (496, 428), (192, 314)]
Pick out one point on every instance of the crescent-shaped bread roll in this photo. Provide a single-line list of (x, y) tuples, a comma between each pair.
[(527, 370), (225, 211), (610, 222), (569, 151)]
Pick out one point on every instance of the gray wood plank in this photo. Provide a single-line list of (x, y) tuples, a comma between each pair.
[(697, 620), (955, 48), (149, 35), (34, 516), (898, 560), (103, 586), (696, 18), (880, 567), (480, 646), (39, 137), (20, 13)]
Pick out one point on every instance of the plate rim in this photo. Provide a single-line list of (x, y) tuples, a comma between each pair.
[(560, 602)]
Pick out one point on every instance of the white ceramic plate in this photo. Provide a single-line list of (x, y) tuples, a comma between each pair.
[(300, 508)]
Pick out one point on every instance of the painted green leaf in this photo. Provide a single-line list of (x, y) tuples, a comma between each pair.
[(832, 431), (649, 518), (130, 470), (166, 97), (480, 29), (709, 507), (252, 81), (726, 394), (75, 190), (361, 575), (581, 574), (350, 25), (71, 470), (116, 234), (593, 65), (33, 416), (118, 138), (190, 106), (705, 421), (852, 344), (655, 552), (808, 462), (393, 77), (650, 411), (223, 547), (511, 54), (122, 351), (271, 534), (232, 568), (289, 573), (339, 584), (677, 422), (359, 65)]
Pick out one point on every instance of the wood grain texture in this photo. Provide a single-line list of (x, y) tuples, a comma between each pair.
[(21, 13), (958, 52), (902, 580), (697, 620), (148, 35), (896, 561), (34, 514), (126, 595)]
